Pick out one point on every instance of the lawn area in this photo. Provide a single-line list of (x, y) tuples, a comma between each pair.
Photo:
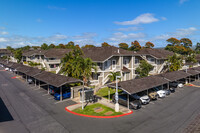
[(103, 92), (97, 110), (53, 72)]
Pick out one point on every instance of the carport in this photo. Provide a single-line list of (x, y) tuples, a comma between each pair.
[(194, 74), (175, 75), (21, 70), (138, 85), (55, 80), (197, 69), (32, 72)]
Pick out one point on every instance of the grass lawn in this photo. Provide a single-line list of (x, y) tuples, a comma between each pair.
[(53, 72), (103, 92), (90, 110)]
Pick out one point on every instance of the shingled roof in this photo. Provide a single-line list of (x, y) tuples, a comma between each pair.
[(33, 52), (56, 53), (138, 85), (157, 53), (24, 69), (32, 72), (49, 78), (175, 75), (103, 53)]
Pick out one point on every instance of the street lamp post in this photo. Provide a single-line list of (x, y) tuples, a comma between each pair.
[(82, 95), (116, 96)]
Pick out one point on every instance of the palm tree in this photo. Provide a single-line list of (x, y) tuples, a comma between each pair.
[(175, 62), (74, 65), (113, 76)]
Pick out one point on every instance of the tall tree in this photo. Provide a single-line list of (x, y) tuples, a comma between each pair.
[(10, 48), (186, 42), (149, 45), (197, 48), (173, 41), (62, 46), (70, 45), (135, 46), (18, 55), (88, 46), (144, 68), (191, 58), (123, 46), (105, 44), (44, 46), (74, 65), (175, 62), (51, 46)]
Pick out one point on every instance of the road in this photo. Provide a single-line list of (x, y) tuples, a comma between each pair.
[(33, 111)]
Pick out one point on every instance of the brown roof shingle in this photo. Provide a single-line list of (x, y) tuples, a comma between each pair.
[(103, 53)]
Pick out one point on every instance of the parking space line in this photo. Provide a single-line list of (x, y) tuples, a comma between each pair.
[(50, 97), (37, 89), (41, 91), (62, 101), (152, 103)]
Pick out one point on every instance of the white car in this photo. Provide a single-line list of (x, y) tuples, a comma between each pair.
[(143, 98), (180, 85), (7, 69), (161, 93)]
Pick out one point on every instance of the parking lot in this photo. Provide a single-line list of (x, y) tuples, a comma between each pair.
[(35, 111)]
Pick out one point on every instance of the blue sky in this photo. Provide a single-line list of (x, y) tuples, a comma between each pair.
[(33, 22)]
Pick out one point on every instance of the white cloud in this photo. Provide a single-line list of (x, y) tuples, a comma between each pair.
[(119, 36), (56, 8), (182, 1), (142, 19), (3, 33), (3, 39), (179, 33), (130, 29)]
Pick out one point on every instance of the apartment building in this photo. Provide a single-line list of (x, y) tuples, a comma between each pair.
[(5, 52), (49, 59), (113, 59)]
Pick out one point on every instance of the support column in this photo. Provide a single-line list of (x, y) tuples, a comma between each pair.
[(39, 84), (35, 82), (61, 93), (72, 92), (168, 86), (128, 101), (48, 89), (26, 79), (162, 87)]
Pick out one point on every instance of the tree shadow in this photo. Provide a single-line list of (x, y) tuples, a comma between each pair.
[(4, 112)]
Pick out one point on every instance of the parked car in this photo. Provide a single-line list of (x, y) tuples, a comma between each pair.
[(173, 84), (167, 91), (172, 89), (29, 80), (7, 69), (53, 90), (142, 97), (64, 95), (133, 103), (161, 93), (153, 94)]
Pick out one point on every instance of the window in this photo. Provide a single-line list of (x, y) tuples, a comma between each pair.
[(106, 64), (126, 62), (136, 61), (113, 64)]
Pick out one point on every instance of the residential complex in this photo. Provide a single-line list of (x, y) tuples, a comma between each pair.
[(108, 59)]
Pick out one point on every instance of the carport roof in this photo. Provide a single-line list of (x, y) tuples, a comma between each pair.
[(24, 69), (196, 68), (192, 71), (175, 75), (32, 72), (55, 79), (138, 85)]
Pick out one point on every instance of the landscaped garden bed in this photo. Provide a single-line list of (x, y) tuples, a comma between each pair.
[(97, 110)]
